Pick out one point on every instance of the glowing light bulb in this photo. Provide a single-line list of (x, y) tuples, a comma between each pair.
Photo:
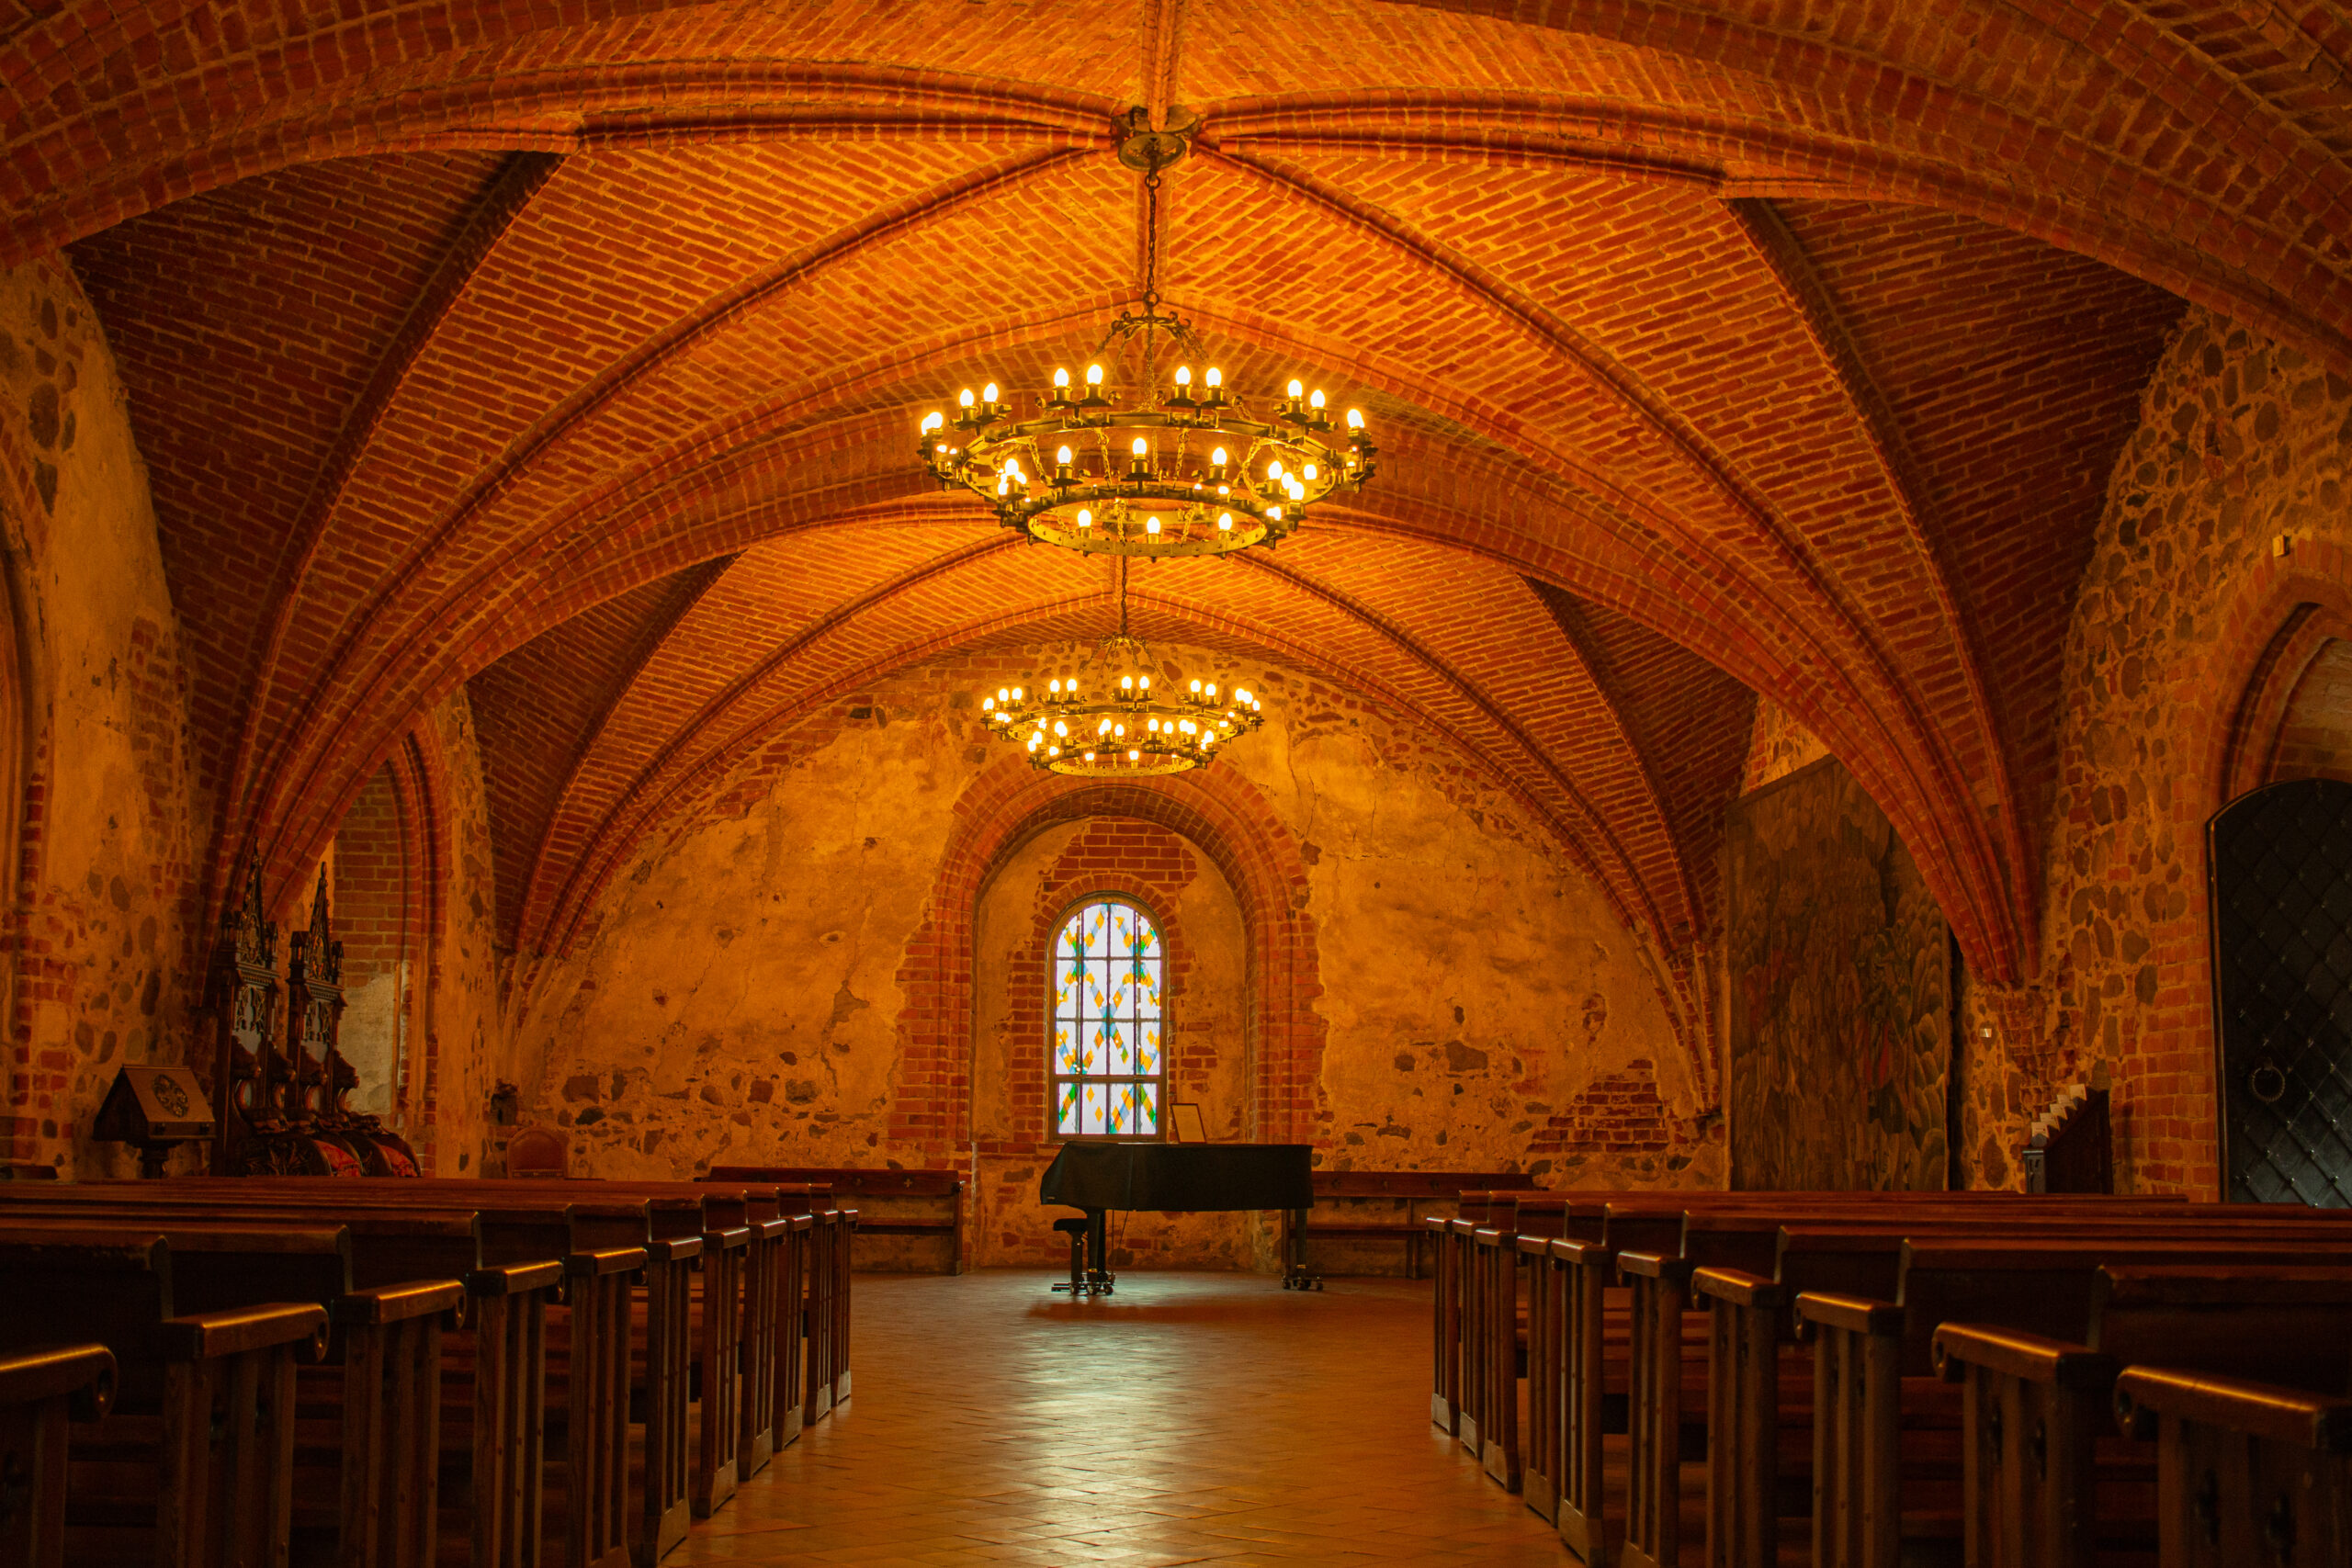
[(1060, 729), (1308, 473), (1217, 458), (1002, 695), (1316, 400), (1127, 682), (1355, 419), (1274, 469), (987, 393), (1147, 682), (1016, 694), (1094, 374), (1224, 522), (1061, 377), (1085, 518), (1053, 685), (933, 420), (1183, 375), (1216, 377), (964, 397), (1274, 515), (1212, 690), (1103, 728), (1196, 688), (987, 703), (1297, 388), (1155, 727), (1139, 446), (1135, 756), (1089, 756), (1062, 456), (1034, 743), (1151, 526)]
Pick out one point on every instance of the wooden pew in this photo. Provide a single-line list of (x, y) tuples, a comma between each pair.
[(194, 1464), (898, 1190), (1663, 1357), (43, 1390), (2034, 1408), (1874, 1369), (627, 1268), (1451, 1241), (388, 1346), (2247, 1473), (1496, 1333), (530, 1248), (1390, 1189), (1760, 1379)]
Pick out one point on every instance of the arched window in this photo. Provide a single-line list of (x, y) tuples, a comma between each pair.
[(1108, 1021)]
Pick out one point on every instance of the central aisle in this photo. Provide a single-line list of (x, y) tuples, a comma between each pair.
[(1189, 1419)]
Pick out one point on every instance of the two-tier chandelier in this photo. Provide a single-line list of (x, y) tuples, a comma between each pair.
[(1184, 469), (1113, 724)]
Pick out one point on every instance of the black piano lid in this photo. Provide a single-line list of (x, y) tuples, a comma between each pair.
[(1180, 1178)]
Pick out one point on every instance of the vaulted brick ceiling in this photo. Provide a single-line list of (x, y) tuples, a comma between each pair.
[(1716, 348)]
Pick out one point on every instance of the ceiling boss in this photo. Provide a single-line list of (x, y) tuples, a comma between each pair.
[(1190, 468)]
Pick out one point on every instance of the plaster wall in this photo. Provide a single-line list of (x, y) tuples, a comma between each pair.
[(737, 992), (98, 733)]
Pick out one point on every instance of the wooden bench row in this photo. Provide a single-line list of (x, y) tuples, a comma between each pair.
[(1383, 1207), (407, 1371), (1943, 1366), (891, 1203)]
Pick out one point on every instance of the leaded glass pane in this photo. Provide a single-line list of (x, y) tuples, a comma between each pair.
[(1107, 1021)]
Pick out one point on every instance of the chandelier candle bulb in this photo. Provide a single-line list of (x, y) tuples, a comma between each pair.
[(1315, 400)]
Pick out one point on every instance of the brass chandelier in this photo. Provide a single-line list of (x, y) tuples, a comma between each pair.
[(1114, 724), (1184, 469)]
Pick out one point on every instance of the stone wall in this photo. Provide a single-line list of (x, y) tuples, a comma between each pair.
[(2225, 511), (742, 989), (94, 722)]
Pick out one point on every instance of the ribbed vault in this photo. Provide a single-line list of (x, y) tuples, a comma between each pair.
[(573, 354)]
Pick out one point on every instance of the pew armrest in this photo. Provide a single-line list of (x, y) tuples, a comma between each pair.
[(201, 1337), (1855, 1314), (84, 1372), (607, 1260), (515, 1278), (1739, 1287), (2050, 1363), (398, 1303), (2258, 1410), (1653, 1266)]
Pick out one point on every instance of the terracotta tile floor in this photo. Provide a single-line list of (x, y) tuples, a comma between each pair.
[(1189, 1419)]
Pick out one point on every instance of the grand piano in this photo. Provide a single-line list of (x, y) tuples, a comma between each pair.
[(1170, 1178)]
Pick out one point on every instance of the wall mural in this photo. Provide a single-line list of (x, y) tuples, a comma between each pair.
[(1841, 983)]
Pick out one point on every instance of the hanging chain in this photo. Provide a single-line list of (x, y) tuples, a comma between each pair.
[(1123, 598), (1151, 243)]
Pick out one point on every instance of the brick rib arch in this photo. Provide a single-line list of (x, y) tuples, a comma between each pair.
[(218, 103), (1222, 816)]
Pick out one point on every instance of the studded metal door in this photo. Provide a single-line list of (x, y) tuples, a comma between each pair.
[(2281, 870)]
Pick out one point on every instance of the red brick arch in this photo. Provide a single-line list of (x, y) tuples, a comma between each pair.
[(1223, 817)]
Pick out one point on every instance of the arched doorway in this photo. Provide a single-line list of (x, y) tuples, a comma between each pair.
[(2281, 862)]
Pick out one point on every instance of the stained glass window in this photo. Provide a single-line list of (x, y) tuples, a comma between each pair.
[(1108, 1015)]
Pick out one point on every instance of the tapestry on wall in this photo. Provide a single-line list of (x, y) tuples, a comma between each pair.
[(1840, 987)]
